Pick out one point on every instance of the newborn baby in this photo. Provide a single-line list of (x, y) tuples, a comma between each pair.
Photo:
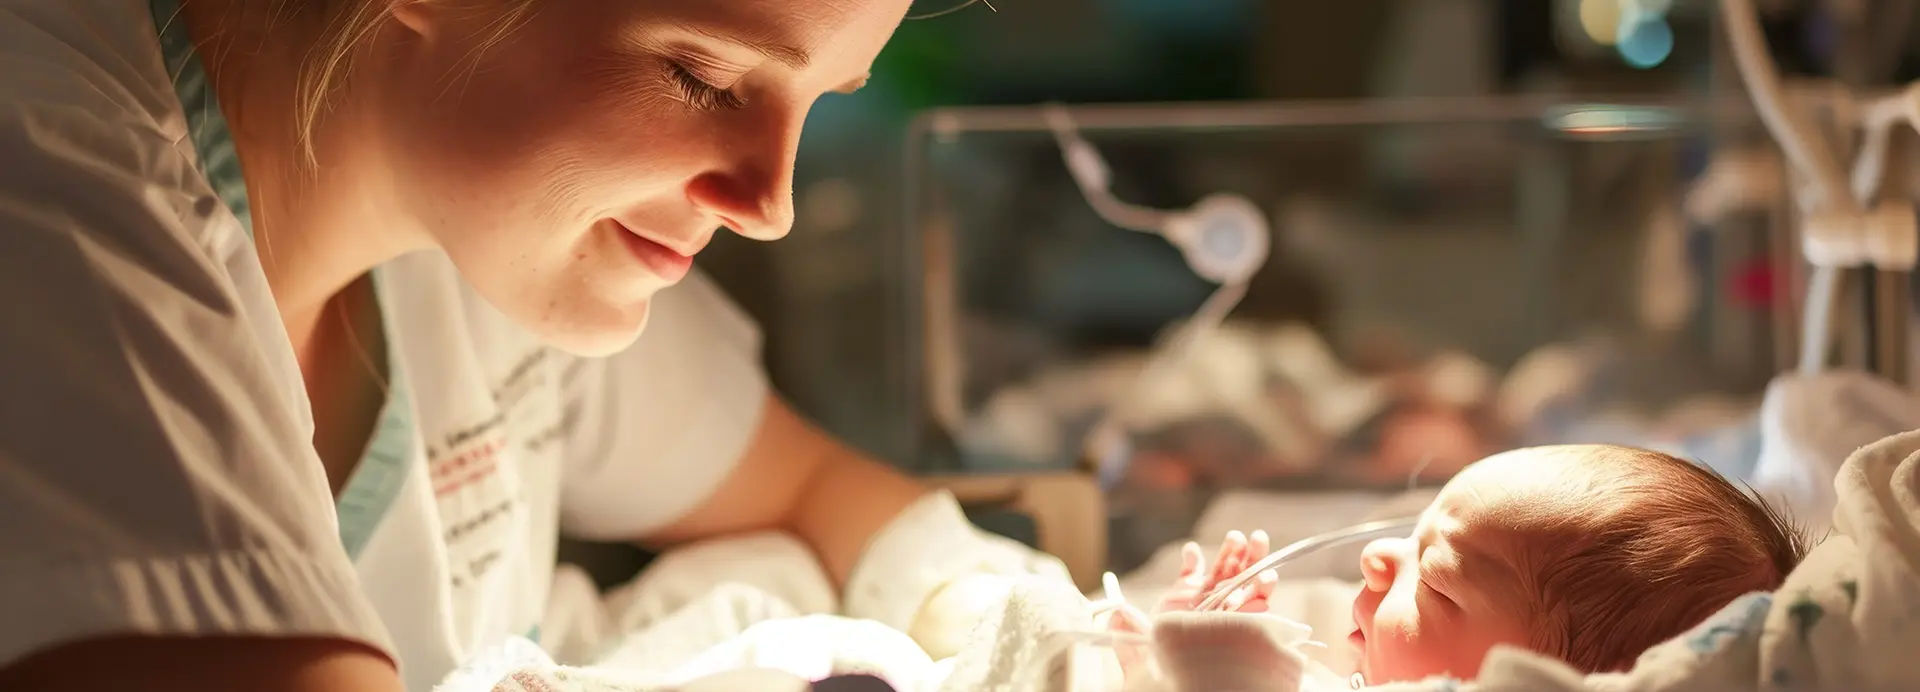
[(1587, 553)]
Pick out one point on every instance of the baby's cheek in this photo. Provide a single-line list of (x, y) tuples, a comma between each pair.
[(1452, 649), (1396, 646), (1408, 647), (1406, 656)]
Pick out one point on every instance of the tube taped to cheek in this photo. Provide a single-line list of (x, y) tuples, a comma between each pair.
[(930, 545)]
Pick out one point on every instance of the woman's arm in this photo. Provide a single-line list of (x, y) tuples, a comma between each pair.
[(213, 664), (680, 438), (796, 478)]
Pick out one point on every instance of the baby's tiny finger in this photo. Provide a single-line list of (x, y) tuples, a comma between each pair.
[(1230, 550), (1190, 570), (1263, 586), (1254, 550), (1238, 600)]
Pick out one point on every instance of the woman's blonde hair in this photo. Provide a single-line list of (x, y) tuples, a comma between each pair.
[(344, 26)]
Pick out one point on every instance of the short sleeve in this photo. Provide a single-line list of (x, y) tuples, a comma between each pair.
[(156, 470), (659, 426)]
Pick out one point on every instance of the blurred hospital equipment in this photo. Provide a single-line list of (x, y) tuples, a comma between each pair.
[(1223, 238), (1847, 219)]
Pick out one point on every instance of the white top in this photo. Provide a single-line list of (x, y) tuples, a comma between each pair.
[(156, 468)]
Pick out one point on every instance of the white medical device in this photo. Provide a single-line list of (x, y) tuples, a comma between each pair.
[(1846, 221), (1224, 239)]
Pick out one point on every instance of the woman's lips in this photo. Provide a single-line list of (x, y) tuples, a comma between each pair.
[(660, 259)]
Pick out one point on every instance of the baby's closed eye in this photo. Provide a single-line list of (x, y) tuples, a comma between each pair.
[(1426, 591), (1438, 582)]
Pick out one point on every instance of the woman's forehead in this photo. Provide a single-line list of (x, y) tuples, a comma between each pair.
[(807, 26)]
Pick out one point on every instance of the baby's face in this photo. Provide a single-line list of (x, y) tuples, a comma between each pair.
[(1435, 602)]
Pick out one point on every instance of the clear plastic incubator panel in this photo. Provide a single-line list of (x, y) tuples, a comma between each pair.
[(1445, 280)]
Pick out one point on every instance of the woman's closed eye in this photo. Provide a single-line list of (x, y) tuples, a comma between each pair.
[(698, 93)]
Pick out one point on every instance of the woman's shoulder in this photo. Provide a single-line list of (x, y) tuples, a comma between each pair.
[(91, 117), (94, 139), (107, 227), (103, 56)]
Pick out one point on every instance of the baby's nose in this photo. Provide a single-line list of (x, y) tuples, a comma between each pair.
[(1377, 564)]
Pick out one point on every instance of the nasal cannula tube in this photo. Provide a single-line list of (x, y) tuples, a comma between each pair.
[(1401, 526)]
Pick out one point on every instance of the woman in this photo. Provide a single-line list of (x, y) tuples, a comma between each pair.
[(301, 363)]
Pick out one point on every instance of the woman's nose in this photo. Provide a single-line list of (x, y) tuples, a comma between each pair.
[(1379, 561), (750, 189), (756, 204)]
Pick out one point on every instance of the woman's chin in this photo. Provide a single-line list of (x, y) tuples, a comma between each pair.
[(603, 334)]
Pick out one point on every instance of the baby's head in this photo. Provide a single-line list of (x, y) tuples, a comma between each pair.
[(1590, 554)]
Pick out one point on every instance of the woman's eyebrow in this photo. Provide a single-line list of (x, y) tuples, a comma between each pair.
[(776, 51)]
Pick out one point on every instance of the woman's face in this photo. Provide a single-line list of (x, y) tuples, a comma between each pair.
[(572, 167)]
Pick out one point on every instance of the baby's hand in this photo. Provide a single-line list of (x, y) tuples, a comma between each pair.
[(1126, 619), (1197, 582)]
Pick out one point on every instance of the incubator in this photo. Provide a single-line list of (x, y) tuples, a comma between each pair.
[(1439, 279)]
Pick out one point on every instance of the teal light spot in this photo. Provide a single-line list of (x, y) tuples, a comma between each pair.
[(1646, 43)]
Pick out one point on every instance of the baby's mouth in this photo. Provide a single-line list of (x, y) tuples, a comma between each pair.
[(1358, 640)]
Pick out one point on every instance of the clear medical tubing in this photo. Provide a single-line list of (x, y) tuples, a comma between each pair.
[(1311, 544)]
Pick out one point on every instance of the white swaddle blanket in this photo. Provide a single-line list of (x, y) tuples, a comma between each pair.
[(999, 655), (1848, 619)]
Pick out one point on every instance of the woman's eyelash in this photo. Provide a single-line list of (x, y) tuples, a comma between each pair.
[(699, 94)]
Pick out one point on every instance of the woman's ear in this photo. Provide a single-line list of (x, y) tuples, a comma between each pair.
[(422, 18)]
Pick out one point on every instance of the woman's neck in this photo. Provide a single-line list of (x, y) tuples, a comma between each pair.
[(320, 224)]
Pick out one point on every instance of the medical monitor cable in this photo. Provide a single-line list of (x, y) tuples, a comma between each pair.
[(1224, 239)]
